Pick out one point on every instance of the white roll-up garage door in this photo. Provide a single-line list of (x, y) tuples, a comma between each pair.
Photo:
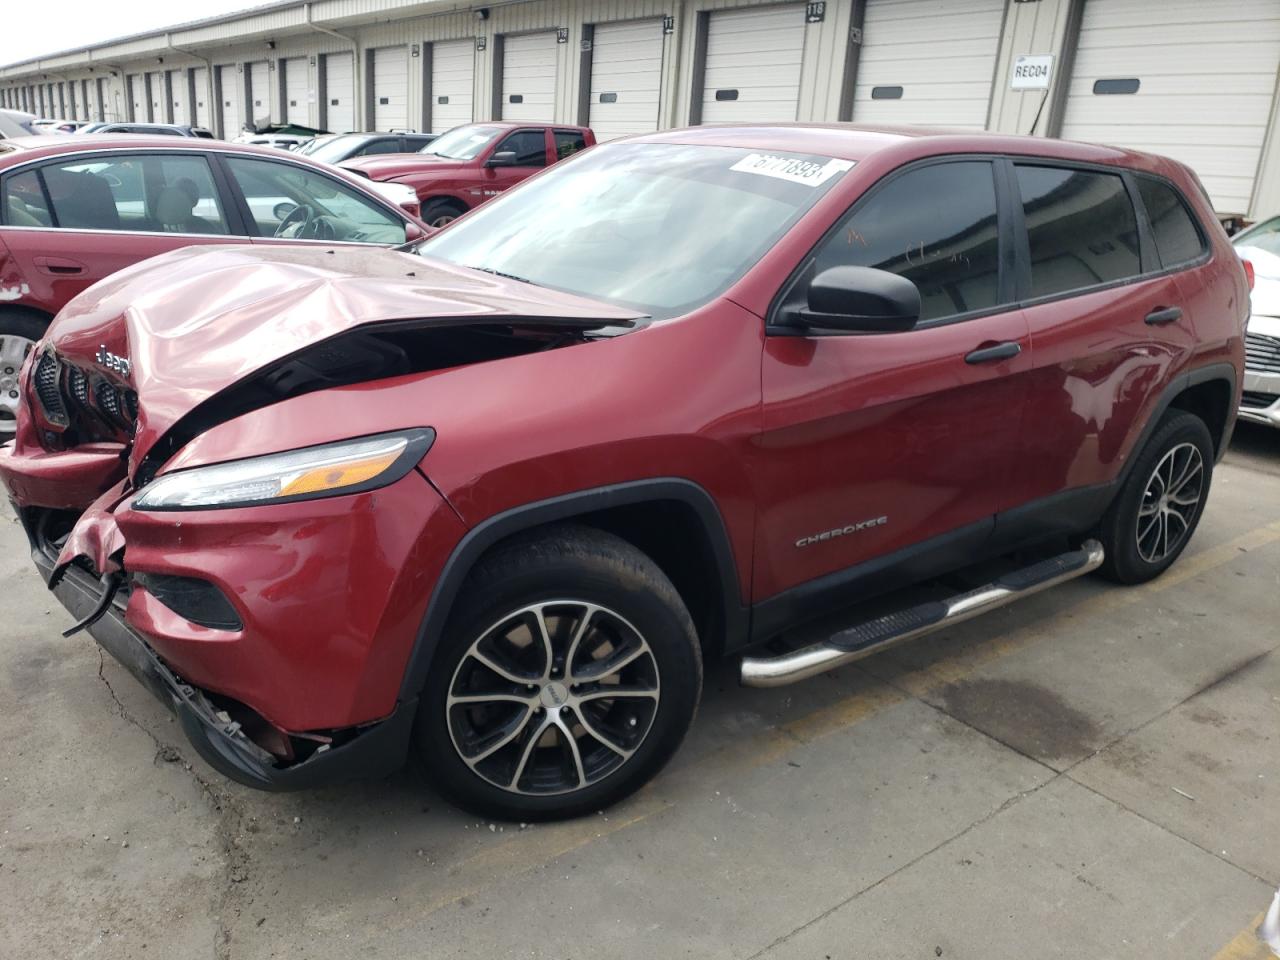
[(295, 89), (626, 78), (229, 104), (390, 88), (753, 64), (339, 93), (259, 94), (927, 61), (181, 106), (452, 80), (137, 97), (529, 77), (200, 80), (159, 102), (1194, 82)]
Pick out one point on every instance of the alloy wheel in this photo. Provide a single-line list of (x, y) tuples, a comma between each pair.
[(13, 350), (553, 698), (1169, 502)]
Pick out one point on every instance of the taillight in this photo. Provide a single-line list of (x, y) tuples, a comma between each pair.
[(1248, 272)]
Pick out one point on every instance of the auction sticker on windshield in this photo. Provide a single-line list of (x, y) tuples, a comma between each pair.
[(794, 169)]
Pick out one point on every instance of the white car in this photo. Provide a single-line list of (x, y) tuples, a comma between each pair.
[(1260, 245)]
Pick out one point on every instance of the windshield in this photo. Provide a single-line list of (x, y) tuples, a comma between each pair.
[(462, 143), (1263, 236), (330, 149), (658, 227)]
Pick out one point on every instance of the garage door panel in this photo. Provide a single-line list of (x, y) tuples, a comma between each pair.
[(339, 94), (296, 84), (390, 88), (453, 79), (626, 65), (1207, 74), (758, 53), (200, 78), (230, 101), (940, 52), (529, 74)]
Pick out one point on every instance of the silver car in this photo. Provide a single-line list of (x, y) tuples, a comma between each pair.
[(1260, 245)]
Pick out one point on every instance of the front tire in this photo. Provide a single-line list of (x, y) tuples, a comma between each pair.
[(438, 213), (1152, 519), (567, 676)]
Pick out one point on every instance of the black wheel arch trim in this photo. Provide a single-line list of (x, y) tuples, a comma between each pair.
[(1180, 383), (735, 614)]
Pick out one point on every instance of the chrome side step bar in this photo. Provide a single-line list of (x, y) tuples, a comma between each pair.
[(876, 635)]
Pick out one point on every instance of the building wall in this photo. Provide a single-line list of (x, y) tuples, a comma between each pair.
[(831, 48)]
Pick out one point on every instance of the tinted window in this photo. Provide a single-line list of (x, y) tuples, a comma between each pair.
[(529, 146), (151, 194), (568, 143), (1081, 227), (385, 145), (1177, 238), (24, 204), (936, 226), (289, 201)]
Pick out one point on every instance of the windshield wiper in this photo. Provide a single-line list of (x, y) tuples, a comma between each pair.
[(508, 276)]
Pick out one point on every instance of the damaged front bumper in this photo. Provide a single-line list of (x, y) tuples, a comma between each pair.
[(376, 750)]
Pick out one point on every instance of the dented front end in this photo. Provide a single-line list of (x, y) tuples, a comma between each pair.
[(277, 631)]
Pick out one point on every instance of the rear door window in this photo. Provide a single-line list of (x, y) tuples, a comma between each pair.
[(935, 225), (1081, 228), (141, 193), (1178, 240), (569, 142)]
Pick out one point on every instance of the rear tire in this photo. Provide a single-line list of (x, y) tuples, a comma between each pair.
[(438, 213), (1159, 506), (517, 720)]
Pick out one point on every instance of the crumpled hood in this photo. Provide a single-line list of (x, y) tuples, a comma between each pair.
[(197, 320), (389, 166)]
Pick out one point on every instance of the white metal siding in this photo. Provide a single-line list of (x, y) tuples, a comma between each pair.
[(181, 108), (626, 78), (339, 93), (1207, 74), (390, 88), (201, 112), (754, 56), (295, 90), (230, 102), (138, 96), (259, 93), (452, 82), (529, 74), (940, 53)]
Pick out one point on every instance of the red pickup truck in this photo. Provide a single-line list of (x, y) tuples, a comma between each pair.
[(473, 163)]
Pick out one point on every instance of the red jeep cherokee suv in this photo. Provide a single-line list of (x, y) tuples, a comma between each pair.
[(495, 497), (471, 164)]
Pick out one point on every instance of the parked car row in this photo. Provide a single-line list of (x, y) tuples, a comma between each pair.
[(492, 496)]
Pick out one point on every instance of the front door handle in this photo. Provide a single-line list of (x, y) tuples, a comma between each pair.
[(1162, 315), (1001, 351)]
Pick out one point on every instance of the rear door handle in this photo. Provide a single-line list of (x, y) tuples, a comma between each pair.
[(1001, 351), (58, 266), (1162, 315)]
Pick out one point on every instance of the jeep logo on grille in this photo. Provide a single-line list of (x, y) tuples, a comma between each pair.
[(112, 361)]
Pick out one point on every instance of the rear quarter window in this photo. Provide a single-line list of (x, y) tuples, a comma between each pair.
[(1081, 228), (1178, 238)]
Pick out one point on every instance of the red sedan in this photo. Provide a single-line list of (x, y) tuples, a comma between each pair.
[(74, 210)]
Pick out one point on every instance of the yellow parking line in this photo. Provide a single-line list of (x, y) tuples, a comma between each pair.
[(1245, 945), (529, 850)]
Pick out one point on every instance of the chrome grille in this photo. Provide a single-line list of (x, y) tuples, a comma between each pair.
[(1257, 400), (49, 391), (1261, 353)]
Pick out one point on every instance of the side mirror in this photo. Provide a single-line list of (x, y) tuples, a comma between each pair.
[(860, 299), (503, 158)]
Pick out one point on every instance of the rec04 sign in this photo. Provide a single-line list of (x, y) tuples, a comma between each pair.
[(1032, 72)]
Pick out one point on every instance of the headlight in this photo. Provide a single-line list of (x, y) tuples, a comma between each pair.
[(307, 474)]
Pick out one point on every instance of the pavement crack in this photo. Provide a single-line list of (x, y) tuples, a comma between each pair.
[(227, 826)]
